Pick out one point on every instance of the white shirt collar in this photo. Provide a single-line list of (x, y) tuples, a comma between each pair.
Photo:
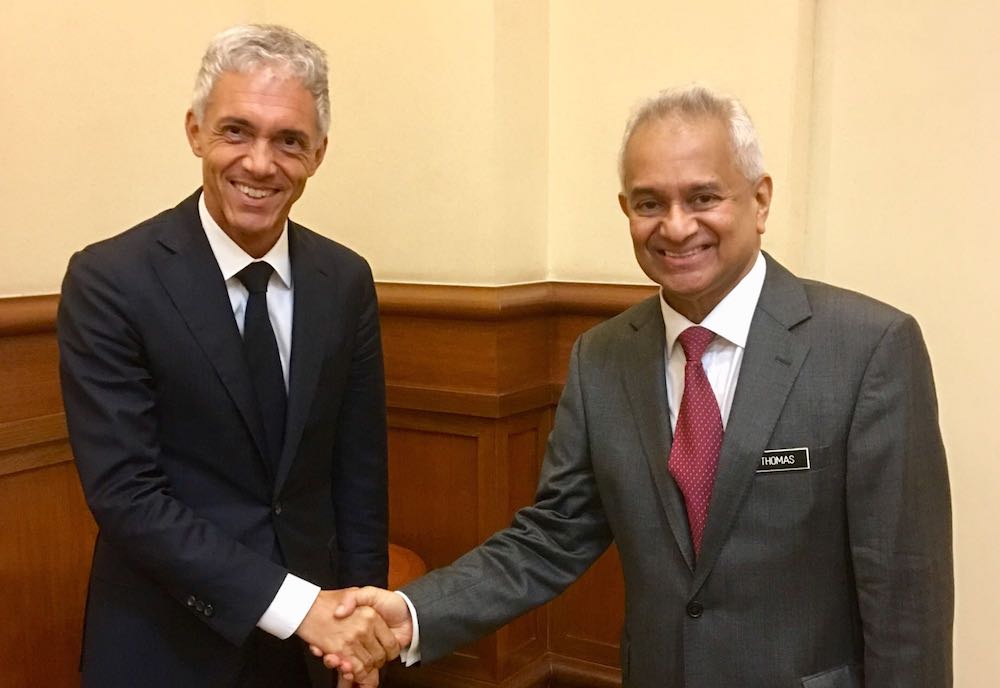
[(231, 258), (731, 318)]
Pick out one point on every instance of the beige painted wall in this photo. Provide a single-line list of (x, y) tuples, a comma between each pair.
[(474, 142), (604, 60)]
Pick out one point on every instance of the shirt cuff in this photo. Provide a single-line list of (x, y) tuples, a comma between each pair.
[(410, 654), (289, 607)]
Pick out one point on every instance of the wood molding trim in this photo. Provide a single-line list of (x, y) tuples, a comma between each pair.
[(470, 403), (31, 314), (508, 302), (41, 441), (28, 314)]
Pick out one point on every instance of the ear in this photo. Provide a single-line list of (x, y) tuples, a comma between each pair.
[(623, 203), (193, 129), (319, 155), (762, 195)]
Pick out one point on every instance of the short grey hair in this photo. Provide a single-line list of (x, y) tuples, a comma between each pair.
[(697, 101), (249, 47)]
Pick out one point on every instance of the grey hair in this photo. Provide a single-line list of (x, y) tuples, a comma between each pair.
[(697, 101), (245, 48)]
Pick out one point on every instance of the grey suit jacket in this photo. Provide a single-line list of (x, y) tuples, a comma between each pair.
[(839, 575)]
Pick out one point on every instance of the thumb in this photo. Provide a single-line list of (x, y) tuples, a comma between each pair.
[(354, 598)]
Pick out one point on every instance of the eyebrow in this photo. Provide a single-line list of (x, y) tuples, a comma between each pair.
[(235, 120), (704, 186), (697, 187)]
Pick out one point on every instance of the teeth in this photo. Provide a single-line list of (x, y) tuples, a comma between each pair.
[(252, 192), (672, 254)]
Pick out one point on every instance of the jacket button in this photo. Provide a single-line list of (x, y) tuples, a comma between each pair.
[(695, 609), (277, 508), (200, 606), (208, 610), (191, 600)]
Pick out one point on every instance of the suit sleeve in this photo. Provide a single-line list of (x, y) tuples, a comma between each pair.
[(109, 396), (548, 545), (360, 481), (899, 517)]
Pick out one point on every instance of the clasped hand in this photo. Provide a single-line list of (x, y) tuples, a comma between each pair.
[(356, 631)]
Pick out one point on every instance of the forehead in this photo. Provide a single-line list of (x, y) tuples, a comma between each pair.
[(673, 149), (263, 97)]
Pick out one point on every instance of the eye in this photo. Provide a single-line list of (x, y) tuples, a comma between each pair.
[(704, 200), (233, 133), (646, 206), (291, 143)]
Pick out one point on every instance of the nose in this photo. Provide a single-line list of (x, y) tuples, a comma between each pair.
[(677, 224), (259, 160)]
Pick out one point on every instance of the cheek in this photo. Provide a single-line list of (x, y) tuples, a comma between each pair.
[(219, 161), (297, 171), (641, 229)]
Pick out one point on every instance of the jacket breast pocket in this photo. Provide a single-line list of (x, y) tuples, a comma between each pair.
[(847, 676), (795, 495)]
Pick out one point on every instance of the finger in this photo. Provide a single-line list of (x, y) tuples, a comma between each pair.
[(356, 659), (344, 682), (368, 639), (371, 680), (316, 651), (387, 640), (348, 603)]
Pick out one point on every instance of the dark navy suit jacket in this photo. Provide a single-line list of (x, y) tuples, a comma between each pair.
[(197, 532)]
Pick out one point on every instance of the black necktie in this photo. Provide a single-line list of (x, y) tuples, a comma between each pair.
[(261, 349)]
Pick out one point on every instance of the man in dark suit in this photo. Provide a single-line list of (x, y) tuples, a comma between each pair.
[(764, 451), (223, 383)]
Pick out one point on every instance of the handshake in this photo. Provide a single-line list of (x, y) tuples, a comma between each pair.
[(356, 631)]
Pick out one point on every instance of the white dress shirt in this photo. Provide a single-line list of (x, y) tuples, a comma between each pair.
[(730, 321), (295, 596)]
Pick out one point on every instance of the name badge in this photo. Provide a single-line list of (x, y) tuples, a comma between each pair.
[(775, 460)]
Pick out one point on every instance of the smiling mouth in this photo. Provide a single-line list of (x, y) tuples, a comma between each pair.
[(253, 192), (682, 254)]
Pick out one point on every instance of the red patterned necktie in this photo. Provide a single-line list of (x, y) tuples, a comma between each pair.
[(694, 455)]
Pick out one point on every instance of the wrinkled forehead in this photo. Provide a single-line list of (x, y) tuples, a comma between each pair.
[(264, 90)]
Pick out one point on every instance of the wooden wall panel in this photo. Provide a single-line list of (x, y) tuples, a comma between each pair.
[(502, 357), (473, 376), (45, 548)]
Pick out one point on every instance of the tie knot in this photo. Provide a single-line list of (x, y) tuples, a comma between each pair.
[(694, 341), (255, 276)]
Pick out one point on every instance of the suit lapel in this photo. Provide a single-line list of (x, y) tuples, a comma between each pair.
[(190, 274), (771, 362), (643, 361), (313, 292)]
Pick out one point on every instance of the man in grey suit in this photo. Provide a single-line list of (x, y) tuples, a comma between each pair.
[(814, 547)]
